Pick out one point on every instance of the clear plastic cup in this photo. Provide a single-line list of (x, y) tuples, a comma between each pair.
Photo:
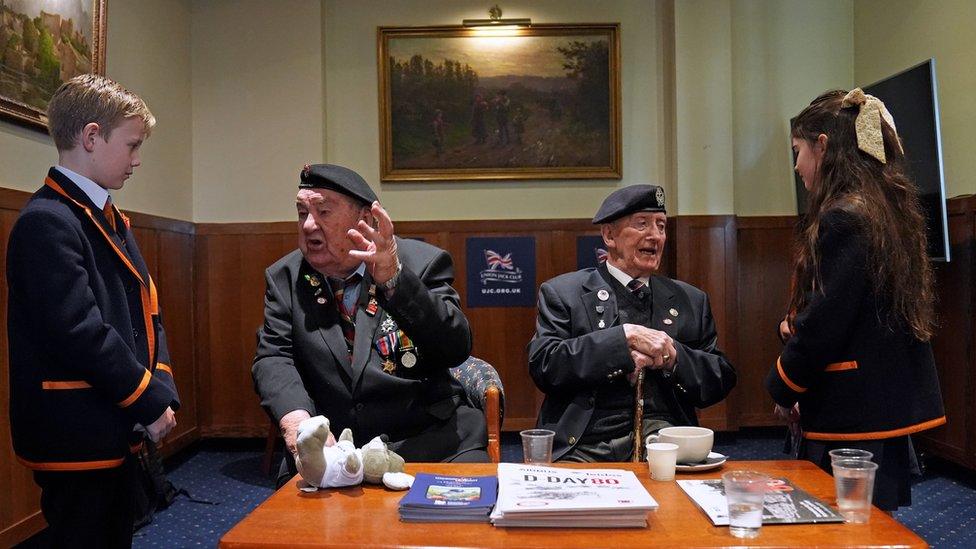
[(537, 445), (745, 491), (849, 453), (854, 481)]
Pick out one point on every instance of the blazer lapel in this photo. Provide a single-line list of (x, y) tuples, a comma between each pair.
[(324, 316), (661, 317), (65, 187), (599, 296)]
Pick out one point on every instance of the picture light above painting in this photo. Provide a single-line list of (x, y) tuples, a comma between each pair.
[(459, 103), (43, 43)]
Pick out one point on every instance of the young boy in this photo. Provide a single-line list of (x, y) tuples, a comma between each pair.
[(88, 356)]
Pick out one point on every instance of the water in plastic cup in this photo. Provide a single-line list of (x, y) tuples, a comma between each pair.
[(849, 453), (745, 491), (537, 445), (854, 481)]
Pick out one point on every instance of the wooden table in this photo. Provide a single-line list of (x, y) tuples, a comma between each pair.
[(367, 517)]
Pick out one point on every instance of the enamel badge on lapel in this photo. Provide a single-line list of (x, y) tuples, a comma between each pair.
[(372, 306), (321, 301), (601, 324), (603, 295), (674, 312), (668, 321)]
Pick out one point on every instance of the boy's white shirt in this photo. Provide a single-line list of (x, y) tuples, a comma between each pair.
[(95, 192)]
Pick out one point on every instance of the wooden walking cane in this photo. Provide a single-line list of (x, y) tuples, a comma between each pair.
[(638, 415)]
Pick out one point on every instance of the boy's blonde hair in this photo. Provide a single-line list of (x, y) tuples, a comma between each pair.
[(91, 98)]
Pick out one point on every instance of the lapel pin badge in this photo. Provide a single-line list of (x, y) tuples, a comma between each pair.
[(674, 312), (668, 321), (603, 295), (602, 324)]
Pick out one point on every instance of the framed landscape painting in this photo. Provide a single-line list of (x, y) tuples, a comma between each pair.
[(43, 43), (539, 102)]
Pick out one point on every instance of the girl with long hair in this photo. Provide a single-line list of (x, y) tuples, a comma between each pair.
[(857, 369)]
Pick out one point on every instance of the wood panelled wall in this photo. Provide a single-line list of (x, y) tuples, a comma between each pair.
[(211, 283)]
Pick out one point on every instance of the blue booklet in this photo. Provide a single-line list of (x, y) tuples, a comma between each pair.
[(449, 498)]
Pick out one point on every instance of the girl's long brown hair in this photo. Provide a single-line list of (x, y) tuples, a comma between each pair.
[(884, 200)]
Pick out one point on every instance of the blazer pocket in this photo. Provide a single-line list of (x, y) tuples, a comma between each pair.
[(841, 366), (64, 385)]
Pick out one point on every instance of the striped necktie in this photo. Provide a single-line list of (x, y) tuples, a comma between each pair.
[(347, 311), (638, 288)]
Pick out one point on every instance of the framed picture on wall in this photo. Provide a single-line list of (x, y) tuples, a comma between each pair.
[(42, 44), (539, 102)]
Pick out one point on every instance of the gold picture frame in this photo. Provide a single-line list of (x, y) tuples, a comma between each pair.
[(461, 104), (39, 50)]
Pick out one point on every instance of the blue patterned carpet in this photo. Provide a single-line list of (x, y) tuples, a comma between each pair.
[(944, 510)]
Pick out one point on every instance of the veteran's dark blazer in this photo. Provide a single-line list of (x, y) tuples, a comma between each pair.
[(856, 375), (571, 355), (302, 362), (88, 356)]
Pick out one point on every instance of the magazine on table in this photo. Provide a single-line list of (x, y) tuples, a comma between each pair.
[(536, 495), (446, 498), (784, 503)]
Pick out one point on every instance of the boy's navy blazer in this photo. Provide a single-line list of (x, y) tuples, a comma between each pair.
[(88, 355)]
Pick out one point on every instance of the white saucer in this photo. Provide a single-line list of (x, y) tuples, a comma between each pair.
[(713, 461)]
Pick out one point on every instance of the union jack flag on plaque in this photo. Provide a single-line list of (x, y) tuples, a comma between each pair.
[(496, 260)]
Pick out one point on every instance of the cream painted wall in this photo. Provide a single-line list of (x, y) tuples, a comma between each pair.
[(352, 110), (257, 101), (703, 69), (784, 54), (148, 51), (892, 35)]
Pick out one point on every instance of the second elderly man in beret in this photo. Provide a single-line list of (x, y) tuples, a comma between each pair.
[(361, 326), (598, 327)]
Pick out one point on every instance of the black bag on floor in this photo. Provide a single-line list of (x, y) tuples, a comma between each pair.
[(154, 492)]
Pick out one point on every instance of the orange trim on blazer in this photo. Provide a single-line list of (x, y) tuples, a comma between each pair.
[(165, 368), (841, 366), (61, 385), (147, 290), (786, 380), (139, 390), (71, 465), (876, 435)]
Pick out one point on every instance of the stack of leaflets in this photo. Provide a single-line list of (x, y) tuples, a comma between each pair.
[(783, 503), (444, 498), (539, 496)]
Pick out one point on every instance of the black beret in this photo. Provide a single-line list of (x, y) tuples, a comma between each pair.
[(625, 201), (336, 178)]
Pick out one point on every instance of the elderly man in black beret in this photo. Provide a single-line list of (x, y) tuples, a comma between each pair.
[(361, 326), (597, 328)]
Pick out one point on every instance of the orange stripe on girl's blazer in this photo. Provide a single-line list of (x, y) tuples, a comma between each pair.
[(789, 383), (165, 368), (841, 366), (877, 435), (146, 376), (60, 385), (71, 465)]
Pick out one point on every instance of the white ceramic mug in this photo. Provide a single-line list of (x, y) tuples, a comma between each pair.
[(694, 443)]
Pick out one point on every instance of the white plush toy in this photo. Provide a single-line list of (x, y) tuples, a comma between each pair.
[(343, 464)]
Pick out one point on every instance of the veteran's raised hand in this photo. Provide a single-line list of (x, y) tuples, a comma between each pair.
[(376, 246)]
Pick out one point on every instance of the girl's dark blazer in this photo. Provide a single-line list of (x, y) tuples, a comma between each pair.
[(856, 374)]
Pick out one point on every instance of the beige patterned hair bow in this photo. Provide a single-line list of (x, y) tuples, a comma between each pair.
[(868, 122)]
